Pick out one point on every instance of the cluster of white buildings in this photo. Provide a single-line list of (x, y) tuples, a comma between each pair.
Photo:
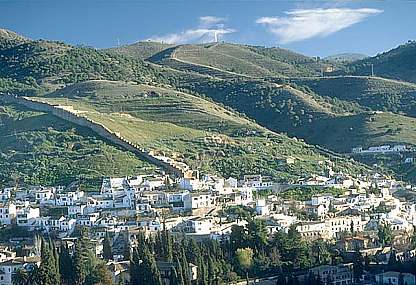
[(381, 149), (196, 206)]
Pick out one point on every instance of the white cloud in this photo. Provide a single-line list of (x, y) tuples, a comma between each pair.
[(210, 29), (304, 24), (210, 21)]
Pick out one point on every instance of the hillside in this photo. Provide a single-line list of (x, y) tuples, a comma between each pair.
[(346, 57), (342, 133), (371, 93), (9, 39), (50, 64), (40, 149), (398, 63), (199, 132), (240, 60), (142, 50)]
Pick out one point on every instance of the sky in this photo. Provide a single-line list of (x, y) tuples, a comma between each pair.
[(311, 27)]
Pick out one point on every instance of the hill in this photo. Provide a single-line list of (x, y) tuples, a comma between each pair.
[(398, 63), (234, 59), (342, 133), (371, 93), (40, 149), (346, 57), (161, 104), (143, 50), (202, 134), (49, 65), (9, 39)]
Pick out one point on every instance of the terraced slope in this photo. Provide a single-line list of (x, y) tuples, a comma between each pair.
[(199, 132), (40, 149), (372, 93), (223, 59), (342, 133)]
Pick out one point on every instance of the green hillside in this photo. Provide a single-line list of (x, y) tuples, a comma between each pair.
[(142, 50), (40, 149), (398, 63), (346, 57), (365, 129), (371, 93), (53, 64), (9, 39), (231, 59), (197, 131)]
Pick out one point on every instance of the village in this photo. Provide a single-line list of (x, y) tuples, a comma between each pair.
[(349, 212)]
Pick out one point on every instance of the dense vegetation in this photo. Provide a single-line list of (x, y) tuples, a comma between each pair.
[(40, 149), (398, 63), (370, 93), (307, 192)]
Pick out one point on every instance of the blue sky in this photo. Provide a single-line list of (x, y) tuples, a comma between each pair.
[(312, 27)]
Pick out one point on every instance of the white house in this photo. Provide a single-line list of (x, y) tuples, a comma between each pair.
[(312, 230), (200, 226), (77, 209), (68, 198), (5, 194), (257, 181), (199, 200), (337, 225), (26, 216), (7, 213), (87, 220), (189, 183), (262, 208), (7, 268)]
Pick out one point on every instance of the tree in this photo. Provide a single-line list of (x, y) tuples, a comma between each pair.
[(20, 277), (245, 259), (321, 253), (66, 265), (143, 268), (179, 279), (82, 258), (385, 234), (257, 233), (99, 275), (238, 237), (48, 273), (358, 266), (107, 248)]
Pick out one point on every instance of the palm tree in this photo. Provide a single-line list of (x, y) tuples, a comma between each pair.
[(20, 277)]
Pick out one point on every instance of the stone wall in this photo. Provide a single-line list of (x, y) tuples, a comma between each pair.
[(97, 128)]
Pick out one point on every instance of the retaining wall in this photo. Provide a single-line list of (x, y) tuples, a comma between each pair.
[(97, 128)]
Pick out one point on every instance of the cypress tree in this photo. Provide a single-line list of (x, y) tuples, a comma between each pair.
[(134, 268), (48, 274), (178, 272), (185, 268), (81, 258), (66, 265), (167, 244), (107, 248), (149, 272)]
